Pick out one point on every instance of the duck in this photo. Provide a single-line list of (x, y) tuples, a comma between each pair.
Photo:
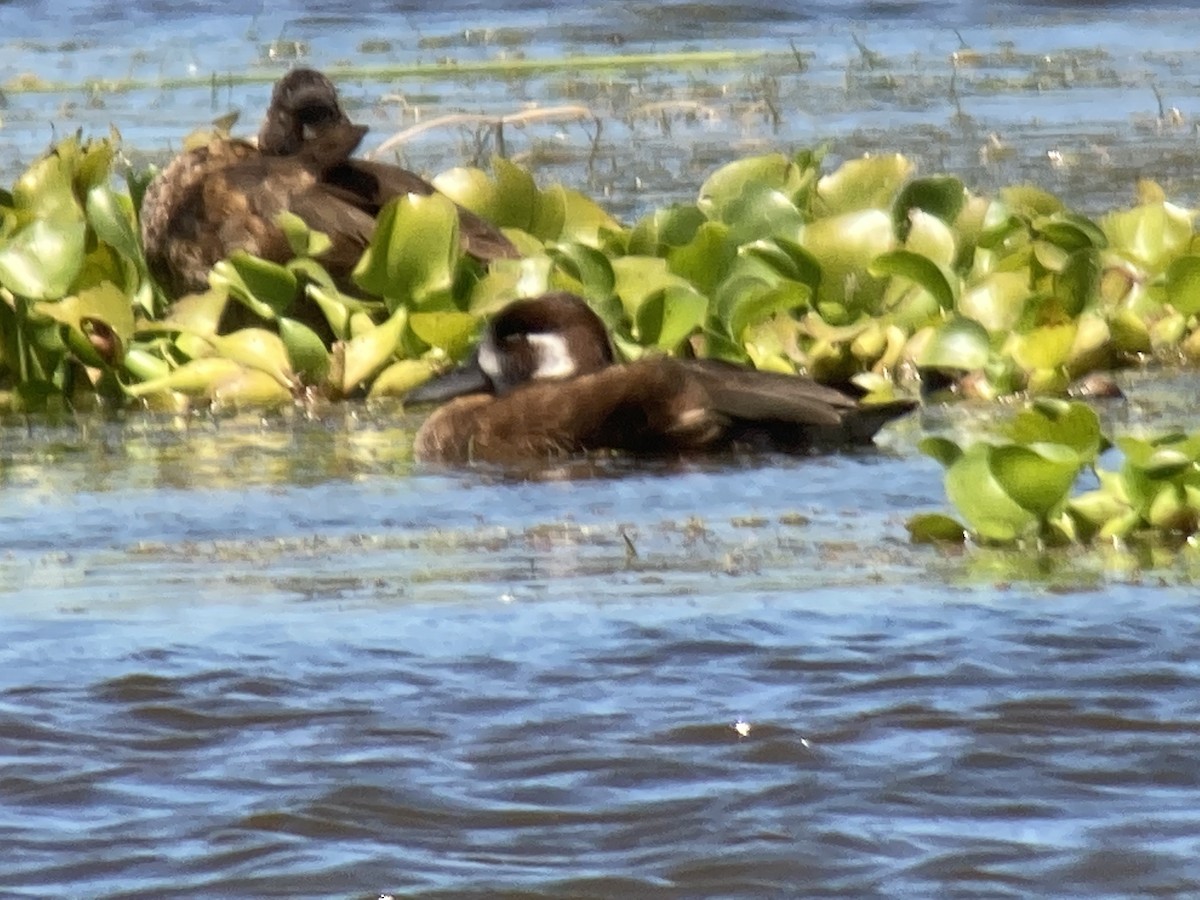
[(226, 195), (543, 383)]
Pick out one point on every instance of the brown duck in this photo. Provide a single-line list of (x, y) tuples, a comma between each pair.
[(543, 384), (226, 196)]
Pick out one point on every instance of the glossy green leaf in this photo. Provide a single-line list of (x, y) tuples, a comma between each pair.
[(42, 260), (920, 270), (706, 259), (991, 512), (256, 348), (268, 288), (935, 528), (1151, 234), (449, 331), (1039, 476), (401, 377), (413, 255), (728, 184), (665, 318), (997, 302), (939, 196), (868, 183), (671, 226), (111, 217), (1070, 423), (1183, 284), (944, 450), (960, 343), (587, 265), (368, 352), (307, 355)]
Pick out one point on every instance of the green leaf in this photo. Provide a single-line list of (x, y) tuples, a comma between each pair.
[(868, 183), (961, 344), (1038, 476), (306, 352), (1071, 423), (449, 331), (111, 216), (414, 254), (935, 528), (667, 317), (369, 351), (1183, 284), (921, 271), (944, 450), (941, 195), (268, 288), (990, 511), (729, 184), (672, 226), (42, 260)]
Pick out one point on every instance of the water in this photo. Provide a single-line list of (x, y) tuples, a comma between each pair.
[(273, 658)]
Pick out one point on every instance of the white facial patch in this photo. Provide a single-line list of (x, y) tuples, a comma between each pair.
[(488, 361), (554, 358)]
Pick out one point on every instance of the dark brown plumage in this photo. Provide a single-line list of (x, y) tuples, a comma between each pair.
[(543, 384), (226, 196)]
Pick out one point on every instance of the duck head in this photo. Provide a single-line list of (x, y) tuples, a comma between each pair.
[(554, 337), (304, 106)]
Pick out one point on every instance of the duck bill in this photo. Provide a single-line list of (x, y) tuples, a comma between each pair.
[(468, 378)]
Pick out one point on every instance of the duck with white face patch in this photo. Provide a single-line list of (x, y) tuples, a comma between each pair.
[(543, 383)]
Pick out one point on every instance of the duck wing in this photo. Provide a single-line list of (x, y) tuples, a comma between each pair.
[(788, 410)]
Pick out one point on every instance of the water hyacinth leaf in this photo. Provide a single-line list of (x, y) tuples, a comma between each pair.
[(370, 351), (1070, 423), (587, 265), (997, 302), (45, 190), (196, 377), (303, 240), (935, 528), (401, 377), (961, 343), (310, 270), (637, 277), (727, 185), (845, 242), (256, 348), (414, 253), (307, 355), (672, 226), (1071, 232), (248, 387), (585, 220), (868, 183), (780, 258), (1151, 234), (1030, 201), (762, 211), (42, 260), (939, 196), (756, 302), (111, 217), (1039, 476), (667, 317), (258, 283), (929, 236), (706, 259), (1097, 507), (449, 331), (1183, 284), (1129, 332), (921, 271), (1077, 286), (1048, 347), (944, 450), (990, 511), (1166, 462), (144, 365), (84, 312), (473, 189), (1168, 511)]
